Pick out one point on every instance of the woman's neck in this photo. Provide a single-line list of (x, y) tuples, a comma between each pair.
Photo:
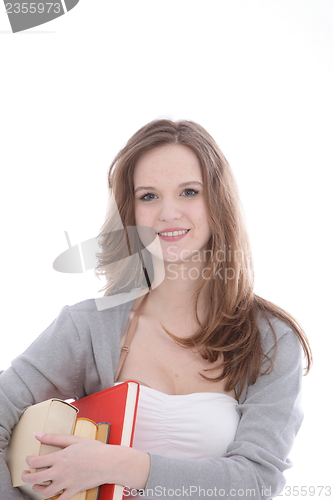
[(175, 294)]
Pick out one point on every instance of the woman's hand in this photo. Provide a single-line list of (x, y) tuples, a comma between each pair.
[(83, 464)]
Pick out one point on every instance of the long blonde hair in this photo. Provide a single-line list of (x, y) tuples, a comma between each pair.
[(231, 324)]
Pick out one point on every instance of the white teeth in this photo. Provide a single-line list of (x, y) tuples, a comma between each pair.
[(174, 233)]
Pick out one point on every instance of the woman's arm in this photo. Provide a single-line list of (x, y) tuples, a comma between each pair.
[(50, 367), (75, 356)]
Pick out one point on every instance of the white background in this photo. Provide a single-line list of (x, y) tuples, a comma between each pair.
[(257, 74)]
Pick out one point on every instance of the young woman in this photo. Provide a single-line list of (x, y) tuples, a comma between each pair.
[(220, 368)]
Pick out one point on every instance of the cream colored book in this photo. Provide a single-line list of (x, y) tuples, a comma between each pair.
[(52, 416)]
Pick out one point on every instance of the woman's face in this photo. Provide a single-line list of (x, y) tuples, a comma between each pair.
[(168, 194)]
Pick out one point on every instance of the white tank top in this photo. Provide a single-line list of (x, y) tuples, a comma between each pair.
[(198, 425)]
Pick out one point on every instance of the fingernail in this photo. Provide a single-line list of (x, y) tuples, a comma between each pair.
[(39, 434)]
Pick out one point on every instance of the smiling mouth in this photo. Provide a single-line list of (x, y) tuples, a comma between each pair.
[(174, 233)]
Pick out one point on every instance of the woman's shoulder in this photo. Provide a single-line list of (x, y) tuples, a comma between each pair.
[(273, 329), (119, 303), (99, 308), (282, 364), (95, 318)]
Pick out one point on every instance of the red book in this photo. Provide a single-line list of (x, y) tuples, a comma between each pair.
[(118, 407)]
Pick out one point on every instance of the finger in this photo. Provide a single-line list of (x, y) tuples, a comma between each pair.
[(36, 477), (54, 492), (47, 493), (40, 461), (56, 439)]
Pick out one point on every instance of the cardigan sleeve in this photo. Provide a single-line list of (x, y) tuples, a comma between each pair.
[(270, 416), (75, 356), (48, 368)]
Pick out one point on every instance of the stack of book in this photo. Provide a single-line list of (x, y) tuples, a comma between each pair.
[(108, 416)]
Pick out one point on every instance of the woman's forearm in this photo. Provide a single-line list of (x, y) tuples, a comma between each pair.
[(128, 467)]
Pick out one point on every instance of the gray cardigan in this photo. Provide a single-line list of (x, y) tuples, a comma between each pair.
[(78, 354)]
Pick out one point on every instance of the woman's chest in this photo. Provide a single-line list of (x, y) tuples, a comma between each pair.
[(156, 360)]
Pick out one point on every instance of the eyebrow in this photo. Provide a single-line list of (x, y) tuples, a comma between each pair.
[(183, 184)]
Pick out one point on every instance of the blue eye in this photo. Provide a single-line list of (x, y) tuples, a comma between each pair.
[(147, 197), (190, 192)]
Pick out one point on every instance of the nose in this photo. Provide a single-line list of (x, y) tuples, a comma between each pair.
[(169, 211)]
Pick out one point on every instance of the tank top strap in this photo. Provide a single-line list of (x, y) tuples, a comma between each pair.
[(130, 334)]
